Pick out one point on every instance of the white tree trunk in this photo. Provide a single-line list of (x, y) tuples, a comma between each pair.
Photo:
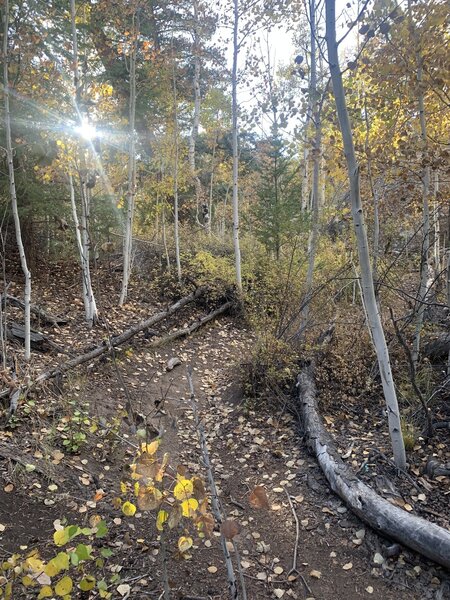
[(131, 193), (196, 116), (437, 226), (373, 314), (424, 257), (12, 185), (175, 172), (211, 185), (82, 230), (83, 247), (234, 111), (316, 122)]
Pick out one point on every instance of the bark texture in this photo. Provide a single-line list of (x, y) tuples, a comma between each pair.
[(368, 290), (12, 185), (418, 534)]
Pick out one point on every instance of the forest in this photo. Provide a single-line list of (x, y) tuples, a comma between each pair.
[(225, 299)]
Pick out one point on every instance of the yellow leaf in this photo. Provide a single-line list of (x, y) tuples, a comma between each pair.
[(136, 488), (46, 592), (184, 543), (57, 564), (64, 586), (183, 489), (34, 563), (28, 581), (189, 507), (87, 583), (123, 487), (61, 537), (162, 517), (150, 448), (161, 471), (128, 509)]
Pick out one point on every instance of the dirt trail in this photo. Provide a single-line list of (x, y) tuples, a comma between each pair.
[(335, 550), (248, 448)]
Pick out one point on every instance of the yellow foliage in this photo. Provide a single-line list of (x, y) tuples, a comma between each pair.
[(183, 489), (128, 509), (184, 544), (189, 507), (162, 517)]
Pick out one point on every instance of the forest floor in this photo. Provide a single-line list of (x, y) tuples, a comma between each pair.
[(43, 483)]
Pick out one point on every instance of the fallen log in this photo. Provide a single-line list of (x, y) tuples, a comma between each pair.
[(438, 349), (185, 331), (16, 332), (424, 537), (43, 315), (120, 339), (117, 341)]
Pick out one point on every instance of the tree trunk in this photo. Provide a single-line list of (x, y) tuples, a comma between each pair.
[(88, 294), (82, 229), (370, 303), (12, 185), (234, 111), (211, 184), (128, 237), (196, 117), (316, 121), (436, 225), (424, 257), (422, 536), (175, 172)]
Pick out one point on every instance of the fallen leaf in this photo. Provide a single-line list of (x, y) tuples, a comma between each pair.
[(278, 570), (230, 529), (258, 498), (348, 566), (212, 569), (315, 574), (123, 589)]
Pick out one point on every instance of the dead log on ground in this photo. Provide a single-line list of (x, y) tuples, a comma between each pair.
[(185, 331), (422, 536), (16, 332), (39, 312), (438, 349), (120, 339), (113, 343)]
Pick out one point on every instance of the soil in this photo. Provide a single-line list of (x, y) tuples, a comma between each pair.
[(249, 446)]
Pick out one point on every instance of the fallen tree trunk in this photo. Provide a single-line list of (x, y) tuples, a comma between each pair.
[(422, 536), (185, 331), (438, 349), (117, 340), (16, 332), (45, 317)]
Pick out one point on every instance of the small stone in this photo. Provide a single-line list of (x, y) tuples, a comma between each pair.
[(278, 570), (378, 559)]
